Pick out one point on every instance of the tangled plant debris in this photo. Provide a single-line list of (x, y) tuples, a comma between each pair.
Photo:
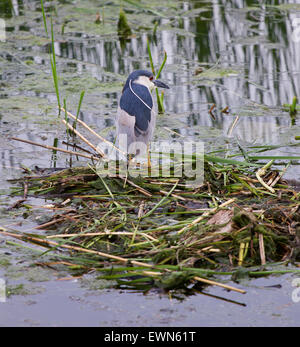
[(145, 232)]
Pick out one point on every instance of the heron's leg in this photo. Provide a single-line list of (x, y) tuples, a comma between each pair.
[(128, 161), (148, 156), (130, 157)]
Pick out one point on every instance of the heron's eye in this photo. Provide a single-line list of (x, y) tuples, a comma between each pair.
[(151, 78)]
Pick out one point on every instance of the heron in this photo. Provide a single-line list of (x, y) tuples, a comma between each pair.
[(136, 116)]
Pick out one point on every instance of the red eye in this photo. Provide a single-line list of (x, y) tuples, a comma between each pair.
[(151, 78)]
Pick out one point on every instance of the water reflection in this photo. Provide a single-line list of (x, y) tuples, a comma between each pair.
[(255, 44), (247, 49)]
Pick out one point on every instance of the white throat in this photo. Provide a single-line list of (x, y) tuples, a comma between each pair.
[(144, 81)]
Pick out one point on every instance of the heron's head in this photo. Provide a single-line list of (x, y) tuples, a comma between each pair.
[(144, 78)]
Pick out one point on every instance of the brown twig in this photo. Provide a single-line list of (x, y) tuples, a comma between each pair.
[(48, 243), (83, 138), (25, 184), (204, 280), (262, 249), (141, 190), (211, 111), (233, 125), (55, 148), (16, 204), (92, 131), (74, 145)]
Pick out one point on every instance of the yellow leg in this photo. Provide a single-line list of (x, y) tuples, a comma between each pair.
[(149, 161), (148, 153), (128, 163)]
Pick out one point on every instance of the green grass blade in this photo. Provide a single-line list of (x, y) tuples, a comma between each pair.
[(274, 157), (44, 17), (160, 202), (230, 161), (78, 108), (53, 67), (150, 57), (162, 65), (159, 98)]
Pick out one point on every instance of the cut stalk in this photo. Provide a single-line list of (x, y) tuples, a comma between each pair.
[(83, 138), (55, 148)]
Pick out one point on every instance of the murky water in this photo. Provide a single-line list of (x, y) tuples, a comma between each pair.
[(250, 56)]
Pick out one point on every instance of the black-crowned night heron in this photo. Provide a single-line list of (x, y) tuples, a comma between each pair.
[(136, 116)]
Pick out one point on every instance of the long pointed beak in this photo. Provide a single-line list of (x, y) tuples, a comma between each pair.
[(160, 84)]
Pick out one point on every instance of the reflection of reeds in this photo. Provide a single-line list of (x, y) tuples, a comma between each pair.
[(124, 29), (293, 106)]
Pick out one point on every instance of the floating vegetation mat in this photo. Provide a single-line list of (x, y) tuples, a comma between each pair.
[(156, 232)]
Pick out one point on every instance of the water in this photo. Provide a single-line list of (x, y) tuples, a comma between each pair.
[(66, 303), (249, 53)]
